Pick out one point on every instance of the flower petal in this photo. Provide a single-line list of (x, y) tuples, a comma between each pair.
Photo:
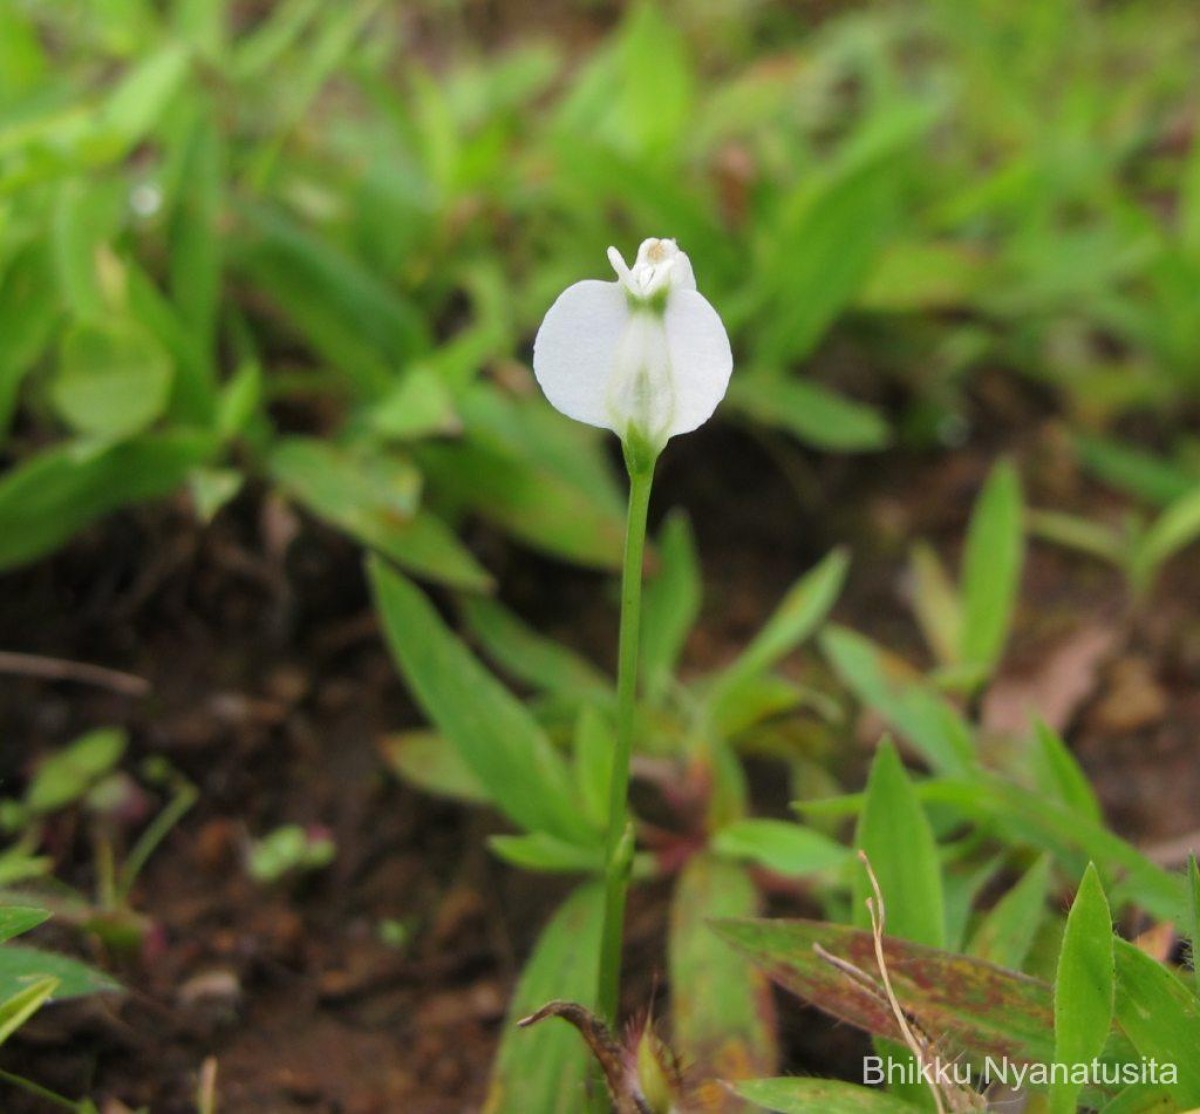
[(701, 360), (576, 349)]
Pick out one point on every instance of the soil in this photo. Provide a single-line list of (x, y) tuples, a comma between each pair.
[(270, 691)]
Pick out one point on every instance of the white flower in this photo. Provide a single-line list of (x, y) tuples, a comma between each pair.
[(646, 356)]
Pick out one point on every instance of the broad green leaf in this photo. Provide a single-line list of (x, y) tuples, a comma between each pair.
[(113, 379), (1141, 1098), (522, 653), (18, 919), (896, 692), (799, 613), (21, 1006), (991, 575), (983, 1009), (1059, 775), (1083, 987), (546, 1068), (653, 96), (780, 846), (494, 732), (212, 489), (427, 760), (374, 497), (1097, 539), (796, 1095), (723, 1019), (1177, 527), (1006, 933), (809, 411), (1161, 1017), (68, 774), (670, 605), (20, 966), (895, 834)]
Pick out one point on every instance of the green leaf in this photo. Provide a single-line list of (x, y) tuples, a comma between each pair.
[(1060, 776), (21, 1006), (1006, 933), (373, 498), (54, 494), (1133, 471), (1177, 527), (113, 379), (522, 653), (428, 761), (538, 851), (1161, 1017), (494, 732), (594, 743), (1083, 987), (917, 275), (670, 605), (886, 684), (1024, 818), (546, 1068), (354, 320), (135, 105), (723, 1019), (810, 412), (995, 550), (196, 255), (67, 775), (654, 94), (20, 966), (29, 309), (780, 846), (528, 500), (937, 605), (896, 836), (16, 920), (800, 612), (420, 405), (1193, 874), (985, 1009), (793, 1095)]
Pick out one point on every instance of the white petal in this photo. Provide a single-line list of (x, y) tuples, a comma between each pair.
[(701, 360), (576, 349)]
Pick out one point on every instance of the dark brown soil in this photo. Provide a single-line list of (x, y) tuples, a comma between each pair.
[(271, 690)]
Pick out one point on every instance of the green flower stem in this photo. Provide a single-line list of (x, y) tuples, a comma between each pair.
[(619, 844)]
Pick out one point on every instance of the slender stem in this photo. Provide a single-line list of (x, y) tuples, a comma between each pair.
[(36, 1089), (618, 855)]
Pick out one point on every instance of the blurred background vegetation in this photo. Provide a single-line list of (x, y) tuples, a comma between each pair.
[(309, 243)]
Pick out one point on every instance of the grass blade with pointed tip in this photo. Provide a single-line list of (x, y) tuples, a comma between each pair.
[(1083, 987), (18, 919), (722, 1014), (494, 732), (545, 1069), (894, 832), (991, 575), (20, 964), (21, 1006), (890, 687), (433, 764)]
